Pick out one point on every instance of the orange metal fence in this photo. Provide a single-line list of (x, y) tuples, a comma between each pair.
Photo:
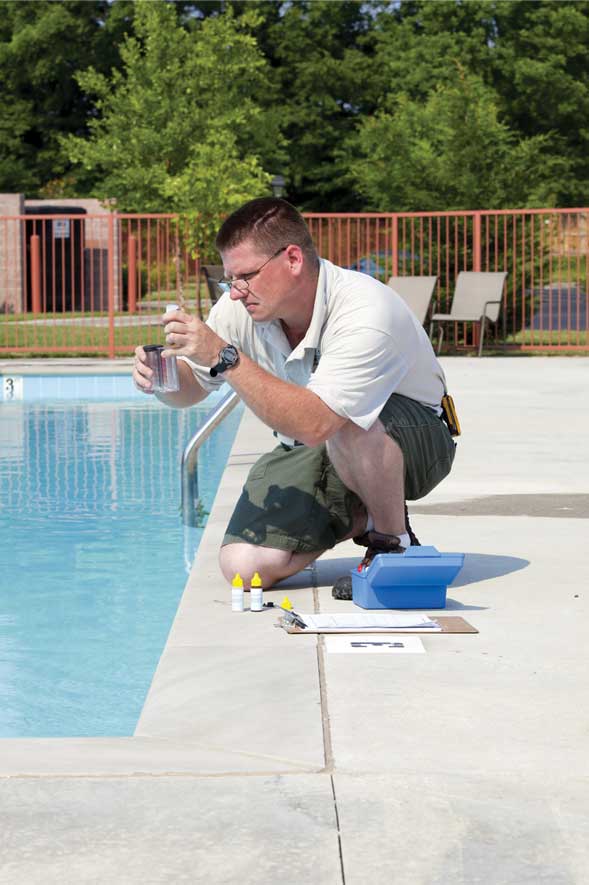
[(77, 283)]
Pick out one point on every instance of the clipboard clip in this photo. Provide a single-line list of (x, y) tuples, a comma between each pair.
[(289, 618)]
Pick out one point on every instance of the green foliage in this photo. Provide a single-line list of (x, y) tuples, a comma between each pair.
[(320, 53), (203, 100), (542, 75), (177, 128), (531, 55), (42, 44), (450, 151)]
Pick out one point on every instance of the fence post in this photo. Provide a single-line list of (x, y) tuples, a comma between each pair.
[(111, 286), (395, 246), (198, 280), (132, 274), (476, 245), (35, 273)]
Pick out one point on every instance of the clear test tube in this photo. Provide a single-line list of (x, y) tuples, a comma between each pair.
[(170, 380), (165, 371)]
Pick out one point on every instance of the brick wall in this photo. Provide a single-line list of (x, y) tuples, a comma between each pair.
[(95, 259), (11, 253), (96, 227)]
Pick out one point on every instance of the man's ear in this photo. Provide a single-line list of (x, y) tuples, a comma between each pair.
[(295, 259)]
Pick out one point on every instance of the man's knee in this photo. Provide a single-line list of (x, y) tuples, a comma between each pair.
[(270, 563)]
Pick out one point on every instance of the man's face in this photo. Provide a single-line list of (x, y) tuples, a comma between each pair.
[(264, 281)]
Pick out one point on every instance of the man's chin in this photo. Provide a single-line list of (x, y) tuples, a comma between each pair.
[(255, 312)]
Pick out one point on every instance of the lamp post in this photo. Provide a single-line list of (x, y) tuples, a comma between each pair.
[(277, 185)]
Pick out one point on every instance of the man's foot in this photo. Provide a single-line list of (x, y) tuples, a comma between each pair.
[(342, 589), (375, 542)]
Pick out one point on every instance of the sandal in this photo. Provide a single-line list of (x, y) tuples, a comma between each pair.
[(375, 542)]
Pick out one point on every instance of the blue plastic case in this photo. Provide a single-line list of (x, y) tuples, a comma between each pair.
[(417, 578)]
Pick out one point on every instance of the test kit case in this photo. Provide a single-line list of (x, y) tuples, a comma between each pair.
[(417, 578)]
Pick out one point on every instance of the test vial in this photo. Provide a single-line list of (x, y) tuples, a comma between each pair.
[(165, 371)]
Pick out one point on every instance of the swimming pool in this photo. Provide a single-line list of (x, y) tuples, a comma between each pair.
[(93, 555)]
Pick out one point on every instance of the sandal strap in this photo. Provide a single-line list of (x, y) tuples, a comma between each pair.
[(377, 539)]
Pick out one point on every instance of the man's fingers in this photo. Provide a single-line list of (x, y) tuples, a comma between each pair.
[(142, 374), (174, 351)]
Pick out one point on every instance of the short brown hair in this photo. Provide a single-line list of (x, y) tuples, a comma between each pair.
[(270, 223)]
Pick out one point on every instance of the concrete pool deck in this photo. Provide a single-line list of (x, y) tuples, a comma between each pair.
[(259, 757)]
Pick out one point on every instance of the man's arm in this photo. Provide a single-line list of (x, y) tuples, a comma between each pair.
[(291, 410)]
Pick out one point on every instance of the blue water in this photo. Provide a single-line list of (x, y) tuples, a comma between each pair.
[(93, 557)]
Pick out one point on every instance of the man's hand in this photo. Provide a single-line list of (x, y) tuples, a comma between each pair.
[(188, 336), (190, 391), (142, 374)]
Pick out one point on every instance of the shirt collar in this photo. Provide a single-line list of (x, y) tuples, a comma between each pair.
[(272, 332)]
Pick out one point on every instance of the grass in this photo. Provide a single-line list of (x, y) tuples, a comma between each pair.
[(53, 334), (17, 340), (546, 338), (53, 337)]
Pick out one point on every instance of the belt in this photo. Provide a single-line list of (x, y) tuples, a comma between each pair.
[(285, 446), (290, 448)]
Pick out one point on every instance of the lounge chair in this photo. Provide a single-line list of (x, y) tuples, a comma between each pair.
[(212, 273), (477, 299), (416, 292)]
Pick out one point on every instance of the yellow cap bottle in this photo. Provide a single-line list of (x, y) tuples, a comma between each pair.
[(256, 594), (237, 593)]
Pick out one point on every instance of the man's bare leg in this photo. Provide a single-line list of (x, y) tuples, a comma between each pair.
[(272, 565), (370, 463)]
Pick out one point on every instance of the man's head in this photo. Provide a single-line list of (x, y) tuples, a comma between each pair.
[(270, 262), (269, 224)]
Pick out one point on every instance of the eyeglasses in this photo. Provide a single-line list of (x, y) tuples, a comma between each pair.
[(242, 283)]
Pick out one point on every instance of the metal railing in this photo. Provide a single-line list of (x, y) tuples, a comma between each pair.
[(96, 285), (189, 465)]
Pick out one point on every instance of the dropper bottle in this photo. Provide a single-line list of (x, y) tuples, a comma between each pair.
[(256, 594), (237, 593)]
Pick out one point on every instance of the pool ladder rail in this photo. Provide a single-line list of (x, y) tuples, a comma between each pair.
[(189, 465)]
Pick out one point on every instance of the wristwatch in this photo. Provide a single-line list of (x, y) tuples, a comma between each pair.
[(228, 358)]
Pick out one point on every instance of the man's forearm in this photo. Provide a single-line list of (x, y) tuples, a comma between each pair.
[(291, 410), (190, 391)]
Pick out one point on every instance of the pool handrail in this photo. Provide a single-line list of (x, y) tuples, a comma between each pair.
[(189, 464)]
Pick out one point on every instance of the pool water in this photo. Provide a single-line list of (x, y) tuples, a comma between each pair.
[(93, 556)]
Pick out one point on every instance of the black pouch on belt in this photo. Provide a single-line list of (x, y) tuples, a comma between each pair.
[(450, 415)]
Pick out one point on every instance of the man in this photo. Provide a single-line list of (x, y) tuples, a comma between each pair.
[(337, 365)]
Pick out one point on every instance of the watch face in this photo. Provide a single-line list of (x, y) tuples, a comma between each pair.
[(229, 356)]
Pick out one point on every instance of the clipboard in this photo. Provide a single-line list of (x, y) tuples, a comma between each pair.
[(448, 624)]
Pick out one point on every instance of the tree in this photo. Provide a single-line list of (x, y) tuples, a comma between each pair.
[(319, 52), (42, 44), (450, 151), (541, 74), (532, 55), (179, 127)]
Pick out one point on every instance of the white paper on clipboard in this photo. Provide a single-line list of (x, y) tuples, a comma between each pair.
[(373, 620)]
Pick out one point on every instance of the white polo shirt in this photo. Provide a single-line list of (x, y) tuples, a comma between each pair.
[(362, 345)]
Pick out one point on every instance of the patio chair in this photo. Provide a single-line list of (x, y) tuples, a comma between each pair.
[(212, 273), (477, 299), (416, 292)]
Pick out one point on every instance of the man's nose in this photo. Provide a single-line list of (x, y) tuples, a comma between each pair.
[(236, 295)]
